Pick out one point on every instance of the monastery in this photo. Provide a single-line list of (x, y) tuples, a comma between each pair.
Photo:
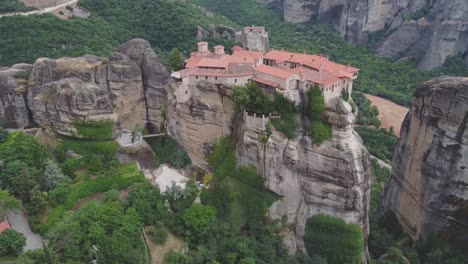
[(277, 71)]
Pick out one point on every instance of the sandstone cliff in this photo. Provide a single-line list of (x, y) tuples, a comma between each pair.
[(198, 116), (429, 30), (13, 88), (127, 88), (333, 178), (428, 191)]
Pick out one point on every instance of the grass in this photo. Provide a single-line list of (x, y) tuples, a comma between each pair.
[(122, 177), (95, 129), (90, 147), (158, 252)]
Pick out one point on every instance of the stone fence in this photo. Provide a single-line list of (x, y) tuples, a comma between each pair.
[(254, 120)]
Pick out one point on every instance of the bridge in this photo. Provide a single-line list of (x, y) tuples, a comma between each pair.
[(154, 135)]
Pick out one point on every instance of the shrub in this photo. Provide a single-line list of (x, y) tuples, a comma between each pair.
[(320, 131), (112, 196), (95, 164), (334, 239), (71, 165), (252, 99), (102, 184), (316, 104), (207, 179), (95, 129), (59, 194), (11, 242), (181, 199), (159, 235)]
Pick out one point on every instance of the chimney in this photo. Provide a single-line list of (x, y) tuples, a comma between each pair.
[(320, 71), (219, 50), (202, 47), (305, 51), (282, 48)]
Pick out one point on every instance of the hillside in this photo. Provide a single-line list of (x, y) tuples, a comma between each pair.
[(384, 77), (166, 24)]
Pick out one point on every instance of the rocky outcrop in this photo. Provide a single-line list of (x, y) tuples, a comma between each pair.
[(127, 88), (254, 38), (354, 19), (443, 32), (429, 30), (428, 191), (14, 85), (198, 116), (333, 178)]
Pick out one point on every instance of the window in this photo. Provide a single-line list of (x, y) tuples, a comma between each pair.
[(216, 77), (196, 77), (235, 80), (186, 92), (206, 77)]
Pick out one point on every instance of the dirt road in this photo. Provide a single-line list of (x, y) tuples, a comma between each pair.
[(40, 11), (391, 114)]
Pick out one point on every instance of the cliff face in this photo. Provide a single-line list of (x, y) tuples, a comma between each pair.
[(428, 191), (61, 91), (199, 116), (13, 88), (333, 178), (430, 30)]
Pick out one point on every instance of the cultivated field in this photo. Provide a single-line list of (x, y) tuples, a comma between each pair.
[(391, 114)]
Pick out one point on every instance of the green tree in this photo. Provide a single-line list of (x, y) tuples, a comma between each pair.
[(115, 232), (316, 103), (147, 201), (22, 147), (95, 164), (59, 194), (36, 204), (175, 59), (18, 178), (112, 196), (332, 238), (7, 203), (11, 242), (198, 217), (320, 131), (53, 175), (251, 98)]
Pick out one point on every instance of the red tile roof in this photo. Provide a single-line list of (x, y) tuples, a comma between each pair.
[(222, 62), (246, 56), (233, 70), (265, 81), (273, 71), (236, 48), (4, 226), (313, 61), (323, 78)]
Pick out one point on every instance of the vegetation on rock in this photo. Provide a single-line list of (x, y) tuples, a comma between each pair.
[(380, 142), (334, 240)]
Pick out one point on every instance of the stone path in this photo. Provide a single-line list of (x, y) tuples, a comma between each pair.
[(19, 222)]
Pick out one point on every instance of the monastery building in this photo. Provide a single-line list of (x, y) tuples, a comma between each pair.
[(277, 71)]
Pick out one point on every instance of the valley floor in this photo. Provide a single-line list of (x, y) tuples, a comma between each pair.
[(391, 114)]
